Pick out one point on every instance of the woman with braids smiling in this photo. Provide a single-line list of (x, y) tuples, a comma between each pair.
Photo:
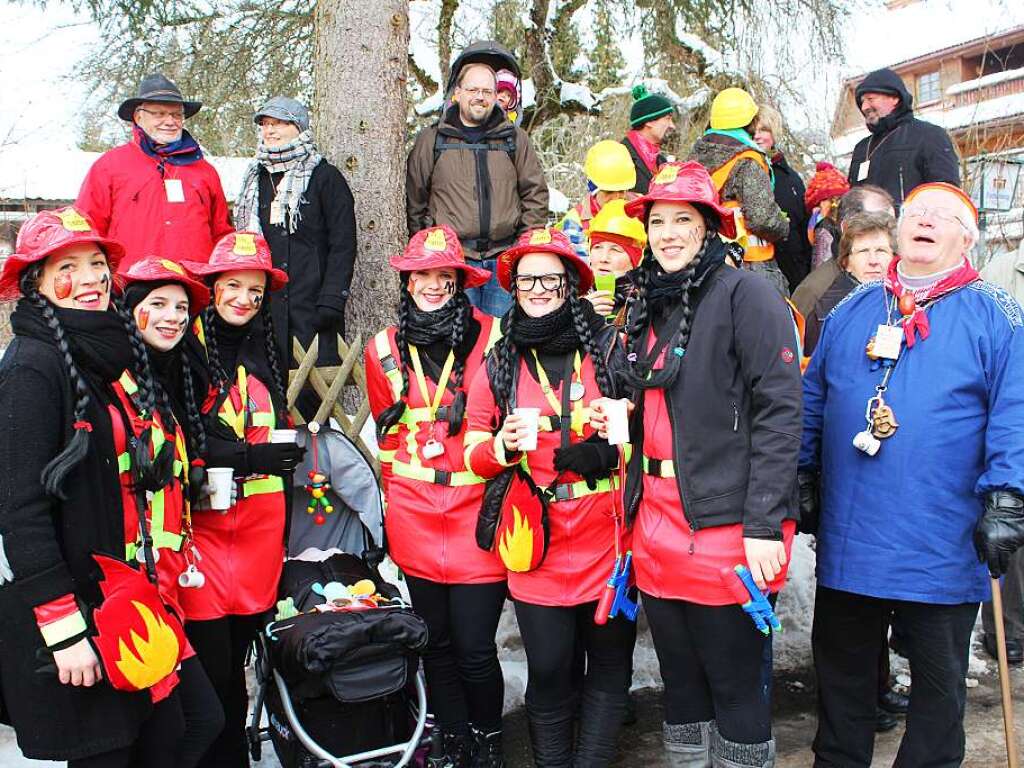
[(60, 504), (235, 355), (715, 379), (558, 356), (417, 373)]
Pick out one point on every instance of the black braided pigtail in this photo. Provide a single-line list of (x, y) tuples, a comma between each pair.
[(196, 430), (149, 473), (506, 361), (217, 372), (637, 325), (393, 413), (53, 474), (460, 324), (274, 361), (581, 323)]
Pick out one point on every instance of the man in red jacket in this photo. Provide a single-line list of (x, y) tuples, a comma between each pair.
[(156, 194)]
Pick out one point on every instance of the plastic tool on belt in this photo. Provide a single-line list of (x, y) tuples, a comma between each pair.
[(740, 583)]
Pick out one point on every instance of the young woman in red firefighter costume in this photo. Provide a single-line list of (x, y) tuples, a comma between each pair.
[(157, 302), (242, 550), (715, 378), (417, 373), (554, 341), (77, 683)]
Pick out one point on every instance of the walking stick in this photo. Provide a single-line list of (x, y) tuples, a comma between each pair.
[(1004, 675)]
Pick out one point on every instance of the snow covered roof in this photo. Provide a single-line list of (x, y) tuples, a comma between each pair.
[(987, 80), (45, 173)]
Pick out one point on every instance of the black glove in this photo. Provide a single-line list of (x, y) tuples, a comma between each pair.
[(810, 501), (591, 460), (327, 318), (273, 458), (1000, 532)]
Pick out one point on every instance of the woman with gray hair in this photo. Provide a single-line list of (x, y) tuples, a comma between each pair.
[(303, 207)]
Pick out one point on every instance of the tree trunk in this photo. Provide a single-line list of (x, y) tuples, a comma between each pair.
[(360, 69)]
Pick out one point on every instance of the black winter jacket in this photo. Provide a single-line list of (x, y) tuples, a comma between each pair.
[(736, 409), (643, 173), (793, 253), (902, 151), (49, 544), (319, 257)]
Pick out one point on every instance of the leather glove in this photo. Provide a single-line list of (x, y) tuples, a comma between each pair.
[(809, 484), (1000, 532), (590, 460), (327, 318), (273, 458)]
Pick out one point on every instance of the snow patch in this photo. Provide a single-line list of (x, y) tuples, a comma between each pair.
[(714, 60), (557, 202), (578, 93), (432, 103), (982, 82)]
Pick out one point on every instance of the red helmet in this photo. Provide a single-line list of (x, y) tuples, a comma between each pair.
[(48, 232), (239, 251), (153, 270), (543, 241), (437, 247), (687, 182)]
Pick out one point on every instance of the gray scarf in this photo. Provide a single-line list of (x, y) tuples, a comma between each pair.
[(296, 160)]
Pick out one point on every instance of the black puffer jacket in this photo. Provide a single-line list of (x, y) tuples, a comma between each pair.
[(793, 252), (902, 151), (736, 409)]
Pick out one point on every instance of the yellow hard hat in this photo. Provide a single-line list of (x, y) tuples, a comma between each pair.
[(610, 167), (732, 108), (612, 220)]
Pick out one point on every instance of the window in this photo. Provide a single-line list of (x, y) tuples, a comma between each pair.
[(928, 87)]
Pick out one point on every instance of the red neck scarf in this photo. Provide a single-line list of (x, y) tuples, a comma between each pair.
[(916, 321), (647, 150)]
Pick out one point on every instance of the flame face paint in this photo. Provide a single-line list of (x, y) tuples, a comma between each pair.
[(218, 292), (62, 285), (257, 300), (105, 283), (143, 319), (449, 287)]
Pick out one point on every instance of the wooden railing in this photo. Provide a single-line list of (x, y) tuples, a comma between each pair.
[(334, 385)]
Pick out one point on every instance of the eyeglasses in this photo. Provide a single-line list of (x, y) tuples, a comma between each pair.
[(947, 215), (551, 282), (177, 116), (487, 93)]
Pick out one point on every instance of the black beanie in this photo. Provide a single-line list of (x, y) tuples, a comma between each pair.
[(648, 106)]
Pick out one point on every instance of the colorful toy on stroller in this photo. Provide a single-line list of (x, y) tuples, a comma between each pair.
[(338, 667)]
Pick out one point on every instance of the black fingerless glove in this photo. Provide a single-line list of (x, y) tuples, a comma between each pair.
[(273, 458), (592, 460), (1000, 531), (809, 484)]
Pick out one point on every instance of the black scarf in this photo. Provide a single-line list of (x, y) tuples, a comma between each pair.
[(890, 121), (98, 341), (230, 339), (553, 333), (425, 328), (664, 288)]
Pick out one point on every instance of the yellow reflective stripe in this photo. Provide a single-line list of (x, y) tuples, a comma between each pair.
[(382, 344), (471, 440), (580, 418), (263, 485), (580, 488), (128, 384), (413, 416), (161, 540), (457, 479), (494, 335), (499, 453), (386, 457), (668, 467), (124, 462), (264, 420), (60, 630)]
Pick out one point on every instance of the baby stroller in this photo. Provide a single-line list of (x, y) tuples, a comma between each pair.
[(337, 667)]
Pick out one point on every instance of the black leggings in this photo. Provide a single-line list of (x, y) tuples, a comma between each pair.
[(222, 645), (464, 678), (156, 747), (715, 665), (550, 635)]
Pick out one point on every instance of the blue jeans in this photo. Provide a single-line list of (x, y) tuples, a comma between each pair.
[(490, 297)]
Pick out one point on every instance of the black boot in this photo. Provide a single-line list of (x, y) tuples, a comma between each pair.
[(487, 750), (450, 750), (600, 719), (551, 734)]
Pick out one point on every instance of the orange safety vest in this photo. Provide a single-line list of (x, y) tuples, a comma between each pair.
[(755, 249)]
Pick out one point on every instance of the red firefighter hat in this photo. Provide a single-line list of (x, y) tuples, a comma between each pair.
[(153, 270), (687, 182), (47, 232), (437, 247), (543, 241), (239, 251)]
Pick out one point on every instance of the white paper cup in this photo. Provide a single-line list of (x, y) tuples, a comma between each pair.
[(283, 435), (532, 418), (220, 480), (618, 421)]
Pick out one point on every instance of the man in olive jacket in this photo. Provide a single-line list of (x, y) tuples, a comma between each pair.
[(476, 172)]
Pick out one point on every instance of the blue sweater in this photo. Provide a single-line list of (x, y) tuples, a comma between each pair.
[(899, 524)]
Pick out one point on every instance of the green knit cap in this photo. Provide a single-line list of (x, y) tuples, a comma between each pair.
[(647, 106)]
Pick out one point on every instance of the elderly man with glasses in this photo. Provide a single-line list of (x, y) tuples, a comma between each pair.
[(156, 194), (478, 173), (913, 463)]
